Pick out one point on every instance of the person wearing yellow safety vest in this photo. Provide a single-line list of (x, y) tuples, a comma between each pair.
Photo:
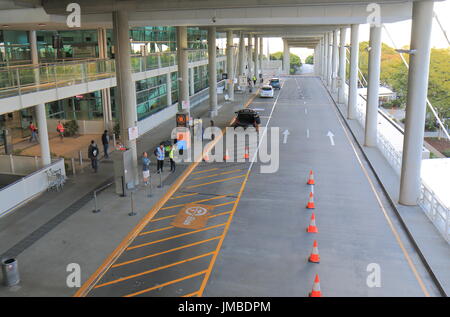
[(172, 162)]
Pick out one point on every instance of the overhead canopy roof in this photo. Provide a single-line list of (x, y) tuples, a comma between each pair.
[(51, 14)]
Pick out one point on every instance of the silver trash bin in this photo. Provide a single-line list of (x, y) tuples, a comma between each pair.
[(10, 270)]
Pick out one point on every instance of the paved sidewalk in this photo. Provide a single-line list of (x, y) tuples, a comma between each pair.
[(57, 229)]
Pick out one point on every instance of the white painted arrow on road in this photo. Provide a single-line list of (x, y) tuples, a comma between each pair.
[(331, 136), (285, 134)]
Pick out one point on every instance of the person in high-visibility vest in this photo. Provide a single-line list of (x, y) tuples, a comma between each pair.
[(172, 162), (60, 130)]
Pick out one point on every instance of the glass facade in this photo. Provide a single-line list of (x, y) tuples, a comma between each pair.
[(81, 107), (151, 96)]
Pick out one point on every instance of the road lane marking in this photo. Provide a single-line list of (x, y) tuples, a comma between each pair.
[(216, 181), (173, 237), (198, 201), (223, 173), (165, 251), (154, 270), (203, 171), (187, 195)]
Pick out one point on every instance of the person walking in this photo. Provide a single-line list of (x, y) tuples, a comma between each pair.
[(254, 80), (160, 155), (105, 142), (33, 131), (145, 168), (60, 130), (172, 162), (93, 154)]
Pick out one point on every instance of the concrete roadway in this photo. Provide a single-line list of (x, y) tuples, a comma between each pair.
[(255, 243)]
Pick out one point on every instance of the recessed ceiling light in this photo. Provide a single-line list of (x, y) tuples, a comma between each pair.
[(41, 24), (5, 26)]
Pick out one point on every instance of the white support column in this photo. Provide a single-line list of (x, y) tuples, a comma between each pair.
[(191, 81), (329, 59), (255, 59), (373, 86), (241, 54), (322, 59), (169, 88), (183, 66), (410, 182), (106, 96), (334, 62), (261, 48), (230, 65), (342, 66), (326, 48), (249, 56), (41, 117), (353, 76), (286, 58), (126, 87), (212, 71)]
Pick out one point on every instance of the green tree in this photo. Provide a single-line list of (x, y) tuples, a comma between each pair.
[(295, 61), (309, 60)]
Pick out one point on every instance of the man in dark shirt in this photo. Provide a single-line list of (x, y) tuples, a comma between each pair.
[(105, 142)]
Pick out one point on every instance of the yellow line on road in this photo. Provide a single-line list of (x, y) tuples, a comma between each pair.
[(154, 270), (198, 172), (166, 284), (223, 173), (172, 237), (228, 203), (187, 195), (198, 201), (191, 294), (216, 181), (166, 251)]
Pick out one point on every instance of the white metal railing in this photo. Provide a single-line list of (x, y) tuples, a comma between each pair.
[(390, 143)]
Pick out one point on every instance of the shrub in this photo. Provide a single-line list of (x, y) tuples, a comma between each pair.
[(446, 153), (116, 129)]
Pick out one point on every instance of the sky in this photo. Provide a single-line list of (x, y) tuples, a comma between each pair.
[(400, 32)]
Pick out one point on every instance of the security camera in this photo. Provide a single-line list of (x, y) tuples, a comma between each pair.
[(214, 20)]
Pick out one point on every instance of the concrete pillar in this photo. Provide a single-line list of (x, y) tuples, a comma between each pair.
[(212, 71), (286, 58), (230, 65), (241, 54), (255, 59), (322, 59), (126, 87), (169, 88), (353, 74), (334, 62), (326, 48), (342, 66), (183, 67), (249, 56), (106, 96), (41, 116), (329, 59), (373, 86), (191, 81), (422, 16)]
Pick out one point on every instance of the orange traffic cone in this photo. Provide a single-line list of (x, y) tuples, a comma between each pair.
[(310, 204), (312, 228), (311, 178), (246, 155), (316, 288), (226, 157), (314, 257)]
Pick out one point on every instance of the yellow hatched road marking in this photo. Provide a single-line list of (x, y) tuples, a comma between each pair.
[(198, 201), (153, 270), (166, 284), (164, 252), (216, 181), (191, 294), (198, 172), (187, 195), (172, 216), (212, 175), (173, 237)]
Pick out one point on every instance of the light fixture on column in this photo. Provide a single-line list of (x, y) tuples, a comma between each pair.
[(368, 48), (410, 52)]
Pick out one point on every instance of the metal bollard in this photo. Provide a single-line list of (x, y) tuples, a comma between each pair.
[(74, 172), (132, 213), (149, 189), (96, 209), (160, 180), (10, 270), (80, 156)]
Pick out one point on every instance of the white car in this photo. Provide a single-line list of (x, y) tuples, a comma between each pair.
[(266, 91)]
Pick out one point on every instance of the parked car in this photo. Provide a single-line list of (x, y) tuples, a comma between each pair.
[(245, 118), (275, 83), (266, 91)]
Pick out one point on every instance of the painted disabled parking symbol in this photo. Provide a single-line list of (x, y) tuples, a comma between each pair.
[(192, 216)]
